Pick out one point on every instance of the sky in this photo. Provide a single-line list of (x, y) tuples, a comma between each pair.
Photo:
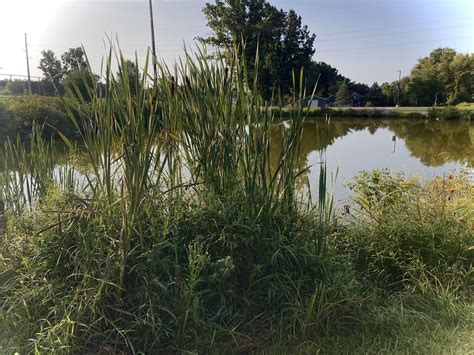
[(366, 40)]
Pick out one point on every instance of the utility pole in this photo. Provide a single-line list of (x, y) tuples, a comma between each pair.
[(153, 47), (28, 64), (398, 87)]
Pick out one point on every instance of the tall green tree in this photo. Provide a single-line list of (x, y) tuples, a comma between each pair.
[(51, 66), (445, 75), (71, 72), (462, 80), (389, 91), (329, 78), (375, 95), (283, 43), (74, 59), (343, 94), (53, 72)]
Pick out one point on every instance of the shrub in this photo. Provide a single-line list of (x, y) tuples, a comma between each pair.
[(414, 234), (19, 114), (449, 113), (181, 233)]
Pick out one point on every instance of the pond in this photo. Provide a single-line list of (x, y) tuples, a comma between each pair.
[(423, 148), (415, 147)]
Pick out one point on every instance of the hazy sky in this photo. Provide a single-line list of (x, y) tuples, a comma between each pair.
[(367, 40)]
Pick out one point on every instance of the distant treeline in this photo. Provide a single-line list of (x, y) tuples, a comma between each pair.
[(278, 45), (443, 78), (72, 71)]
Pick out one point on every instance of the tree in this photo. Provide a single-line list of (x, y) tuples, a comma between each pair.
[(129, 69), (425, 83), (329, 78), (343, 94), (51, 66), (74, 59), (283, 43), (71, 72), (52, 72), (445, 75), (462, 81), (375, 95), (360, 88), (389, 91)]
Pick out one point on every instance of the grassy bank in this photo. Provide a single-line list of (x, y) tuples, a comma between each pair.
[(183, 238), (443, 113), (18, 114), (354, 113), (371, 113)]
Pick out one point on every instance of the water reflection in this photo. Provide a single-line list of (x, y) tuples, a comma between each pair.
[(416, 147), (439, 142)]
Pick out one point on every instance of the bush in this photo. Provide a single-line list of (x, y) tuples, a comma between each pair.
[(449, 113), (19, 114), (184, 237), (412, 234), (181, 234)]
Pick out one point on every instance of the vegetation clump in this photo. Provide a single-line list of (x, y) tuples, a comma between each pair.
[(19, 114), (410, 234), (179, 235), (450, 113), (182, 237)]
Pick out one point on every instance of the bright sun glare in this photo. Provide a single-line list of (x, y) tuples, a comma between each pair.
[(30, 15), (20, 17)]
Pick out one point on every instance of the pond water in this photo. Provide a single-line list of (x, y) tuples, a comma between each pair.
[(414, 147)]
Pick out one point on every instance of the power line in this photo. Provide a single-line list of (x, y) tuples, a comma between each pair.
[(43, 45), (385, 27), (104, 46), (362, 8), (20, 75), (393, 45), (391, 34)]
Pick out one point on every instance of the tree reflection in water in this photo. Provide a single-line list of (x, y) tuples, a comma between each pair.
[(423, 146)]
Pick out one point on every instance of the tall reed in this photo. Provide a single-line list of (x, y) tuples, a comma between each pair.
[(183, 231)]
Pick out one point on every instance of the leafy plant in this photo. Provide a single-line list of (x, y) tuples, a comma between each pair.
[(411, 233), (180, 234)]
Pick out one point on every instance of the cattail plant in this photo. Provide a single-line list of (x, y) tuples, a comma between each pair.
[(181, 230)]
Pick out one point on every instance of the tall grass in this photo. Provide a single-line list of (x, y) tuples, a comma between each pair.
[(183, 233), (414, 234), (187, 234)]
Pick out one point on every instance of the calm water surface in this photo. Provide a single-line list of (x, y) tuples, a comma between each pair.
[(414, 147)]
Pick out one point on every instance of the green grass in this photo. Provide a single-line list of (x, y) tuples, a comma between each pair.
[(408, 108), (465, 106), (462, 106), (402, 325), (142, 257), (183, 238)]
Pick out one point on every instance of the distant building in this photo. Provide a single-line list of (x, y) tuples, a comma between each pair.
[(355, 99), (331, 100), (314, 102), (352, 101)]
